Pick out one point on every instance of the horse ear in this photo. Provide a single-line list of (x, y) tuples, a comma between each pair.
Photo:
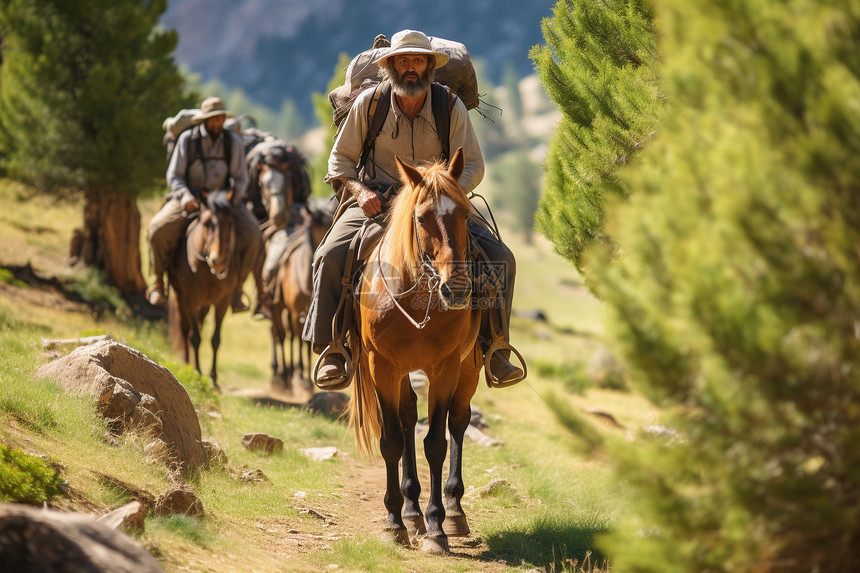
[(455, 167), (408, 173)]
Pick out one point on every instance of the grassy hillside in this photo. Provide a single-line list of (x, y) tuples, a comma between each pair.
[(308, 515)]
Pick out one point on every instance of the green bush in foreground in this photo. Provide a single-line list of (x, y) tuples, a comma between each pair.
[(25, 478), (738, 304)]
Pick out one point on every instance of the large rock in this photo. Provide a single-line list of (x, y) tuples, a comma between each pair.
[(37, 540), (107, 368)]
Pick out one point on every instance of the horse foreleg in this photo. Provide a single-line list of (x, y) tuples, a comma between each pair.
[(459, 416), (220, 311), (278, 335), (288, 323), (410, 487), (308, 355), (391, 447), (195, 344), (443, 384)]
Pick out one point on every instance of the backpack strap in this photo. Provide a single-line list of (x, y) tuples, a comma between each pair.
[(194, 150), (375, 120), (443, 101)]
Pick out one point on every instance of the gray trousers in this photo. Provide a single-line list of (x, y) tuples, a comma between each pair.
[(330, 263), (168, 226)]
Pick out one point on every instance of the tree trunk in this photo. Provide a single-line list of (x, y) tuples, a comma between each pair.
[(110, 240)]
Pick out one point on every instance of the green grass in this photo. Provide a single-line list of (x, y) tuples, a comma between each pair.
[(550, 541), (187, 528), (363, 555)]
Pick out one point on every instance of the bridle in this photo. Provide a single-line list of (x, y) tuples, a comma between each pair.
[(203, 254), (428, 271)]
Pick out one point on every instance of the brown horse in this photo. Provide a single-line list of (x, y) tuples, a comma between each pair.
[(278, 178), (293, 289), (415, 313), (194, 288)]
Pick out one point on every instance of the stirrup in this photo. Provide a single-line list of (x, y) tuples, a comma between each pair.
[(336, 347), (492, 380)]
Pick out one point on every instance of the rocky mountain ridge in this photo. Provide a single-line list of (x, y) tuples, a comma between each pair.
[(279, 49)]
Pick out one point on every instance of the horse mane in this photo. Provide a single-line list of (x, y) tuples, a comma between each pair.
[(436, 182)]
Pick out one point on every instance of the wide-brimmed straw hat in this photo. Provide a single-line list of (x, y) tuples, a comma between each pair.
[(411, 42), (210, 107)]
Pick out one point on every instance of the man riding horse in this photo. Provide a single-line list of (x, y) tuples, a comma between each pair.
[(364, 175), (206, 157)]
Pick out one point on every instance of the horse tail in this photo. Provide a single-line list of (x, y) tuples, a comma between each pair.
[(364, 414)]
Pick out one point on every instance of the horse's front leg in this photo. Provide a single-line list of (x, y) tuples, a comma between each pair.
[(220, 312), (195, 344), (410, 487), (442, 386), (459, 416), (391, 446), (278, 336)]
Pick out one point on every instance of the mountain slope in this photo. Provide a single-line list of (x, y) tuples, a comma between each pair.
[(278, 49)]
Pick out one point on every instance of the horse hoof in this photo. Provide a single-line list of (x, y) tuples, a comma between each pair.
[(435, 544), (415, 524), (456, 525), (396, 535)]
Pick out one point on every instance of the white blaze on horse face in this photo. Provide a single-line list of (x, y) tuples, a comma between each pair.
[(273, 181), (446, 205)]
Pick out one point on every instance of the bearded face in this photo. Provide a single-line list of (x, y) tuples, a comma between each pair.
[(406, 80)]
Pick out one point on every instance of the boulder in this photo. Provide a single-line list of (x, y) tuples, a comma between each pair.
[(215, 456), (37, 540), (107, 368), (179, 499), (263, 442), (329, 403)]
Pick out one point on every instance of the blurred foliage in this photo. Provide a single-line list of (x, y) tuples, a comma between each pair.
[(85, 87), (518, 180), (25, 478), (324, 111), (599, 67), (736, 308)]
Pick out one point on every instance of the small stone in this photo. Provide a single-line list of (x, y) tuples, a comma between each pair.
[(319, 454), (263, 442)]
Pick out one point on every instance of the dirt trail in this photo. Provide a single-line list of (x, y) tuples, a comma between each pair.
[(359, 510)]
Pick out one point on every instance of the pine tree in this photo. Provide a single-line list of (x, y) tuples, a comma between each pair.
[(599, 67), (84, 87), (737, 310)]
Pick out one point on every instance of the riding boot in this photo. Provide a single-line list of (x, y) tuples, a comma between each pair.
[(156, 294), (265, 302), (332, 374), (502, 369)]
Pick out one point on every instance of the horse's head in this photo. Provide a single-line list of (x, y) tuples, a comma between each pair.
[(430, 213), (276, 189), (218, 237)]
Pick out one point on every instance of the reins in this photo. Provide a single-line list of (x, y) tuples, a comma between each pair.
[(203, 255), (427, 271)]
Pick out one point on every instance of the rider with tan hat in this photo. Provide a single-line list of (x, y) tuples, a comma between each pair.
[(206, 157), (409, 132)]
